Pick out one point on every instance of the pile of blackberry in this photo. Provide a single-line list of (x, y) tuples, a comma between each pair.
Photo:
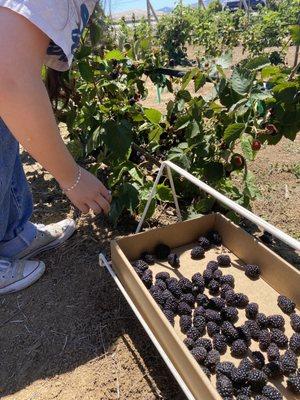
[(208, 305)]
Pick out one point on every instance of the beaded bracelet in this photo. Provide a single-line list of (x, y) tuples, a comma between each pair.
[(76, 183)]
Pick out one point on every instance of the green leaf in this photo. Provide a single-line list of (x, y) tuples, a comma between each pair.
[(184, 95), (270, 71), (153, 115), (188, 77), (76, 148), (200, 81), (285, 91), (151, 208), (251, 189), (164, 193), (214, 171), (241, 81), (136, 175), (233, 132), (114, 55), (204, 205), (127, 198), (154, 134), (246, 144), (257, 63), (295, 34), (83, 52), (95, 34), (225, 60), (86, 71), (117, 137)]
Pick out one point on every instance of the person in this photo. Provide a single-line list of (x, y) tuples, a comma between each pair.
[(34, 33)]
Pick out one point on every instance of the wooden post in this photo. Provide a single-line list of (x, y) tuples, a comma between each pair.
[(201, 4), (148, 12), (153, 11)]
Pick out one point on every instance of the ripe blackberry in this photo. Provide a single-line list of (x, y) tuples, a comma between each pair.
[(264, 339), (148, 258), (229, 314), (216, 303), (170, 316), (204, 342), (185, 285), (188, 298), (262, 320), (173, 286), (217, 275), (257, 379), (224, 260), (293, 383), (271, 393), (295, 322), (258, 359), (161, 284), (243, 391), (276, 321), (273, 370), (239, 376), (224, 387), (230, 298), (199, 311), (214, 237), (212, 328), (197, 253), (140, 265), (279, 338), (193, 333), (224, 289), (288, 362), (251, 310), (244, 334), (213, 287), (214, 316), (164, 276), (147, 278), (171, 304), (202, 300), (199, 323), (241, 300), (197, 290), (252, 271), (260, 397), (219, 343), (184, 309), (239, 348), (253, 329), (246, 364), (285, 304), (199, 354), (212, 265), (156, 293), (206, 371), (162, 251), (273, 353), (198, 279), (245, 397), (227, 280), (185, 323), (207, 276), (212, 359), (166, 294), (295, 343), (229, 331), (174, 260), (189, 343), (225, 368), (204, 243)]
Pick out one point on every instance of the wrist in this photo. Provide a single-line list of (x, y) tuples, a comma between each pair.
[(69, 176)]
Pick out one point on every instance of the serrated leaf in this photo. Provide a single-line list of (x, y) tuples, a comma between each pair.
[(257, 63), (136, 175), (285, 91), (241, 81), (164, 193), (95, 34), (86, 71), (117, 137), (154, 134), (225, 60), (200, 81), (270, 71), (204, 205), (114, 55), (246, 144), (151, 208), (153, 115), (233, 132)]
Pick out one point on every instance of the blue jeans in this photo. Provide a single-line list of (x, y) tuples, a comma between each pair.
[(16, 206)]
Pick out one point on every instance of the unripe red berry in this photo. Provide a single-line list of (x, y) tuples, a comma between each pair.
[(271, 129), (237, 161), (256, 145)]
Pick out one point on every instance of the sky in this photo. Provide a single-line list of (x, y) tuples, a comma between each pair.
[(124, 5)]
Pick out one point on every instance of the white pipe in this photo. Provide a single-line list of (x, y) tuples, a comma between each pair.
[(174, 193), (236, 207), (103, 262)]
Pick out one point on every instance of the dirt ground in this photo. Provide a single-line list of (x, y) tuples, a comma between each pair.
[(71, 336)]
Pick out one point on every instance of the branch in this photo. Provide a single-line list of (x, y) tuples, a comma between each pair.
[(149, 156)]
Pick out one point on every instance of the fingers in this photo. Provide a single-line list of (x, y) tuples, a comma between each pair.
[(103, 203), (95, 207), (83, 208), (105, 193)]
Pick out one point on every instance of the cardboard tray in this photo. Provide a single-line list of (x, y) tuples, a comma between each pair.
[(278, 277)]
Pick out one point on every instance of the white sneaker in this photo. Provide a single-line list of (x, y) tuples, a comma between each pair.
[(19, 274), (48, 237)]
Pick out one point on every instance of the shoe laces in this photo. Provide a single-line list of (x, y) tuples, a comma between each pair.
[(6, 267)]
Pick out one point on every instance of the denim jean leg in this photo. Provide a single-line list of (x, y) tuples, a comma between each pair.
[(15, 196)]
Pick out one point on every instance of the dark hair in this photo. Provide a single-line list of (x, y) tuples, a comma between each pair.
[(58, 87)]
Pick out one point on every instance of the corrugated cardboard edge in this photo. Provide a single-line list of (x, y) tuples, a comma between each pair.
[(238, 241)]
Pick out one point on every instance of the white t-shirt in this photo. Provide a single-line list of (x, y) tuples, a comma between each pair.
[(63, 21)]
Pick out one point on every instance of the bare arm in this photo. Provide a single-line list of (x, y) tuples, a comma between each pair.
[(26, 109)]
